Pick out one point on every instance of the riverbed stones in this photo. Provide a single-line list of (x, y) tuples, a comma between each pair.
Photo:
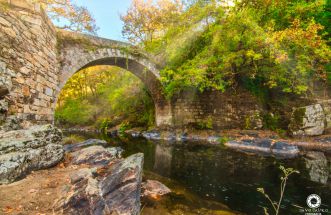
[(308, 121), (23, 151), (108, 187)]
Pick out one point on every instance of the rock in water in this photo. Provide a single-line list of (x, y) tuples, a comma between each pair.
[(107, 187), (154, 189), (22, 151)]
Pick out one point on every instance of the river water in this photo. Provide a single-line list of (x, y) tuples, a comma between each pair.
[(211, 179)]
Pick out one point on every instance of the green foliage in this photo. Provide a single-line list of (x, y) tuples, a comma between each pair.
[(287, 172), (260, 44), (206, 124), (104, 97), (73, 138), (103, 124), (75, 111), (123, 127), (271, 121), (223, 140)]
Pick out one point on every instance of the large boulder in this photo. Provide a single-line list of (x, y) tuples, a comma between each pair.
[(106, 184), (308, 121), (23, 151)]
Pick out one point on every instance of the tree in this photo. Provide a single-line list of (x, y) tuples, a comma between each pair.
[(146, 20), (74, 17)]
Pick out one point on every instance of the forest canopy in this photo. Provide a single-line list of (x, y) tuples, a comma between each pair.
[(212, 44)]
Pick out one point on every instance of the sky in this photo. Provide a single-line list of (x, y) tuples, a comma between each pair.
[(107, 16)]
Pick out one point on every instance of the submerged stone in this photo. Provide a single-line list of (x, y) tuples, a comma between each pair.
[(154, 189)]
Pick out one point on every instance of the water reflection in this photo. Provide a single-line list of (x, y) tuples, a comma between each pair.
[(225, 176), (317, 166), (163, 159), (230, 177)]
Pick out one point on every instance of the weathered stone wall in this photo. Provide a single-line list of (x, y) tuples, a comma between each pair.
[(218, 110), (28, 60)]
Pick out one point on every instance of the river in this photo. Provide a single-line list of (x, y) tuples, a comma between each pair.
[(211, 179)]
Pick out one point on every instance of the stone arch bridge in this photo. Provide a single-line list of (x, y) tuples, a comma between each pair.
[(78, 51), (36, 61)]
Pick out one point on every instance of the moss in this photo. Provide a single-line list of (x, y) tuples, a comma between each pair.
[(298, 115)]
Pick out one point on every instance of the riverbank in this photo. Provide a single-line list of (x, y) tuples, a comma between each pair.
[(225, 137)]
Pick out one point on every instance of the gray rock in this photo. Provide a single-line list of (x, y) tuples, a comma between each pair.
[(308, 121), (317, 165), (265, 147), (11, 123), (96, 155), (114, 188), (23, 151), (153, 135)]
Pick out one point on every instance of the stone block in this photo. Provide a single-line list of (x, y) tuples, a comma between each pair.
[(308, 121)]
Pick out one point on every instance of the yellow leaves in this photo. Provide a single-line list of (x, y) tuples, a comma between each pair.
[(252, 54), (146, 20), (76, 18)]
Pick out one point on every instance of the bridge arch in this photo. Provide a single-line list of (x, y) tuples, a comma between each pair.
[(76, 55)]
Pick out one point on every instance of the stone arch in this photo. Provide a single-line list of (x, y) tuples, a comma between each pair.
[(75, 57)]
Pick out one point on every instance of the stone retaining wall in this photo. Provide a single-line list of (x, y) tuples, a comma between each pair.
[(28, 60), (217, 110)]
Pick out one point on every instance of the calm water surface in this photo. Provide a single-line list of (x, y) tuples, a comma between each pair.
[(205, 178)]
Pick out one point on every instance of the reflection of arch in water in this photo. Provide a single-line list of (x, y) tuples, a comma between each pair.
[(163, 159)]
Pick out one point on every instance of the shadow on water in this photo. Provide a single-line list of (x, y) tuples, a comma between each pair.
[(205, 178)]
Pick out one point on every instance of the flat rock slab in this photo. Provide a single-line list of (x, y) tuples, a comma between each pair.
[(96, 155), (23, 151), (87, 143), (265, 147)]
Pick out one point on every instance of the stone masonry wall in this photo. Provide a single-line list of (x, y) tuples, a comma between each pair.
[(28, 60), (226, 110)]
